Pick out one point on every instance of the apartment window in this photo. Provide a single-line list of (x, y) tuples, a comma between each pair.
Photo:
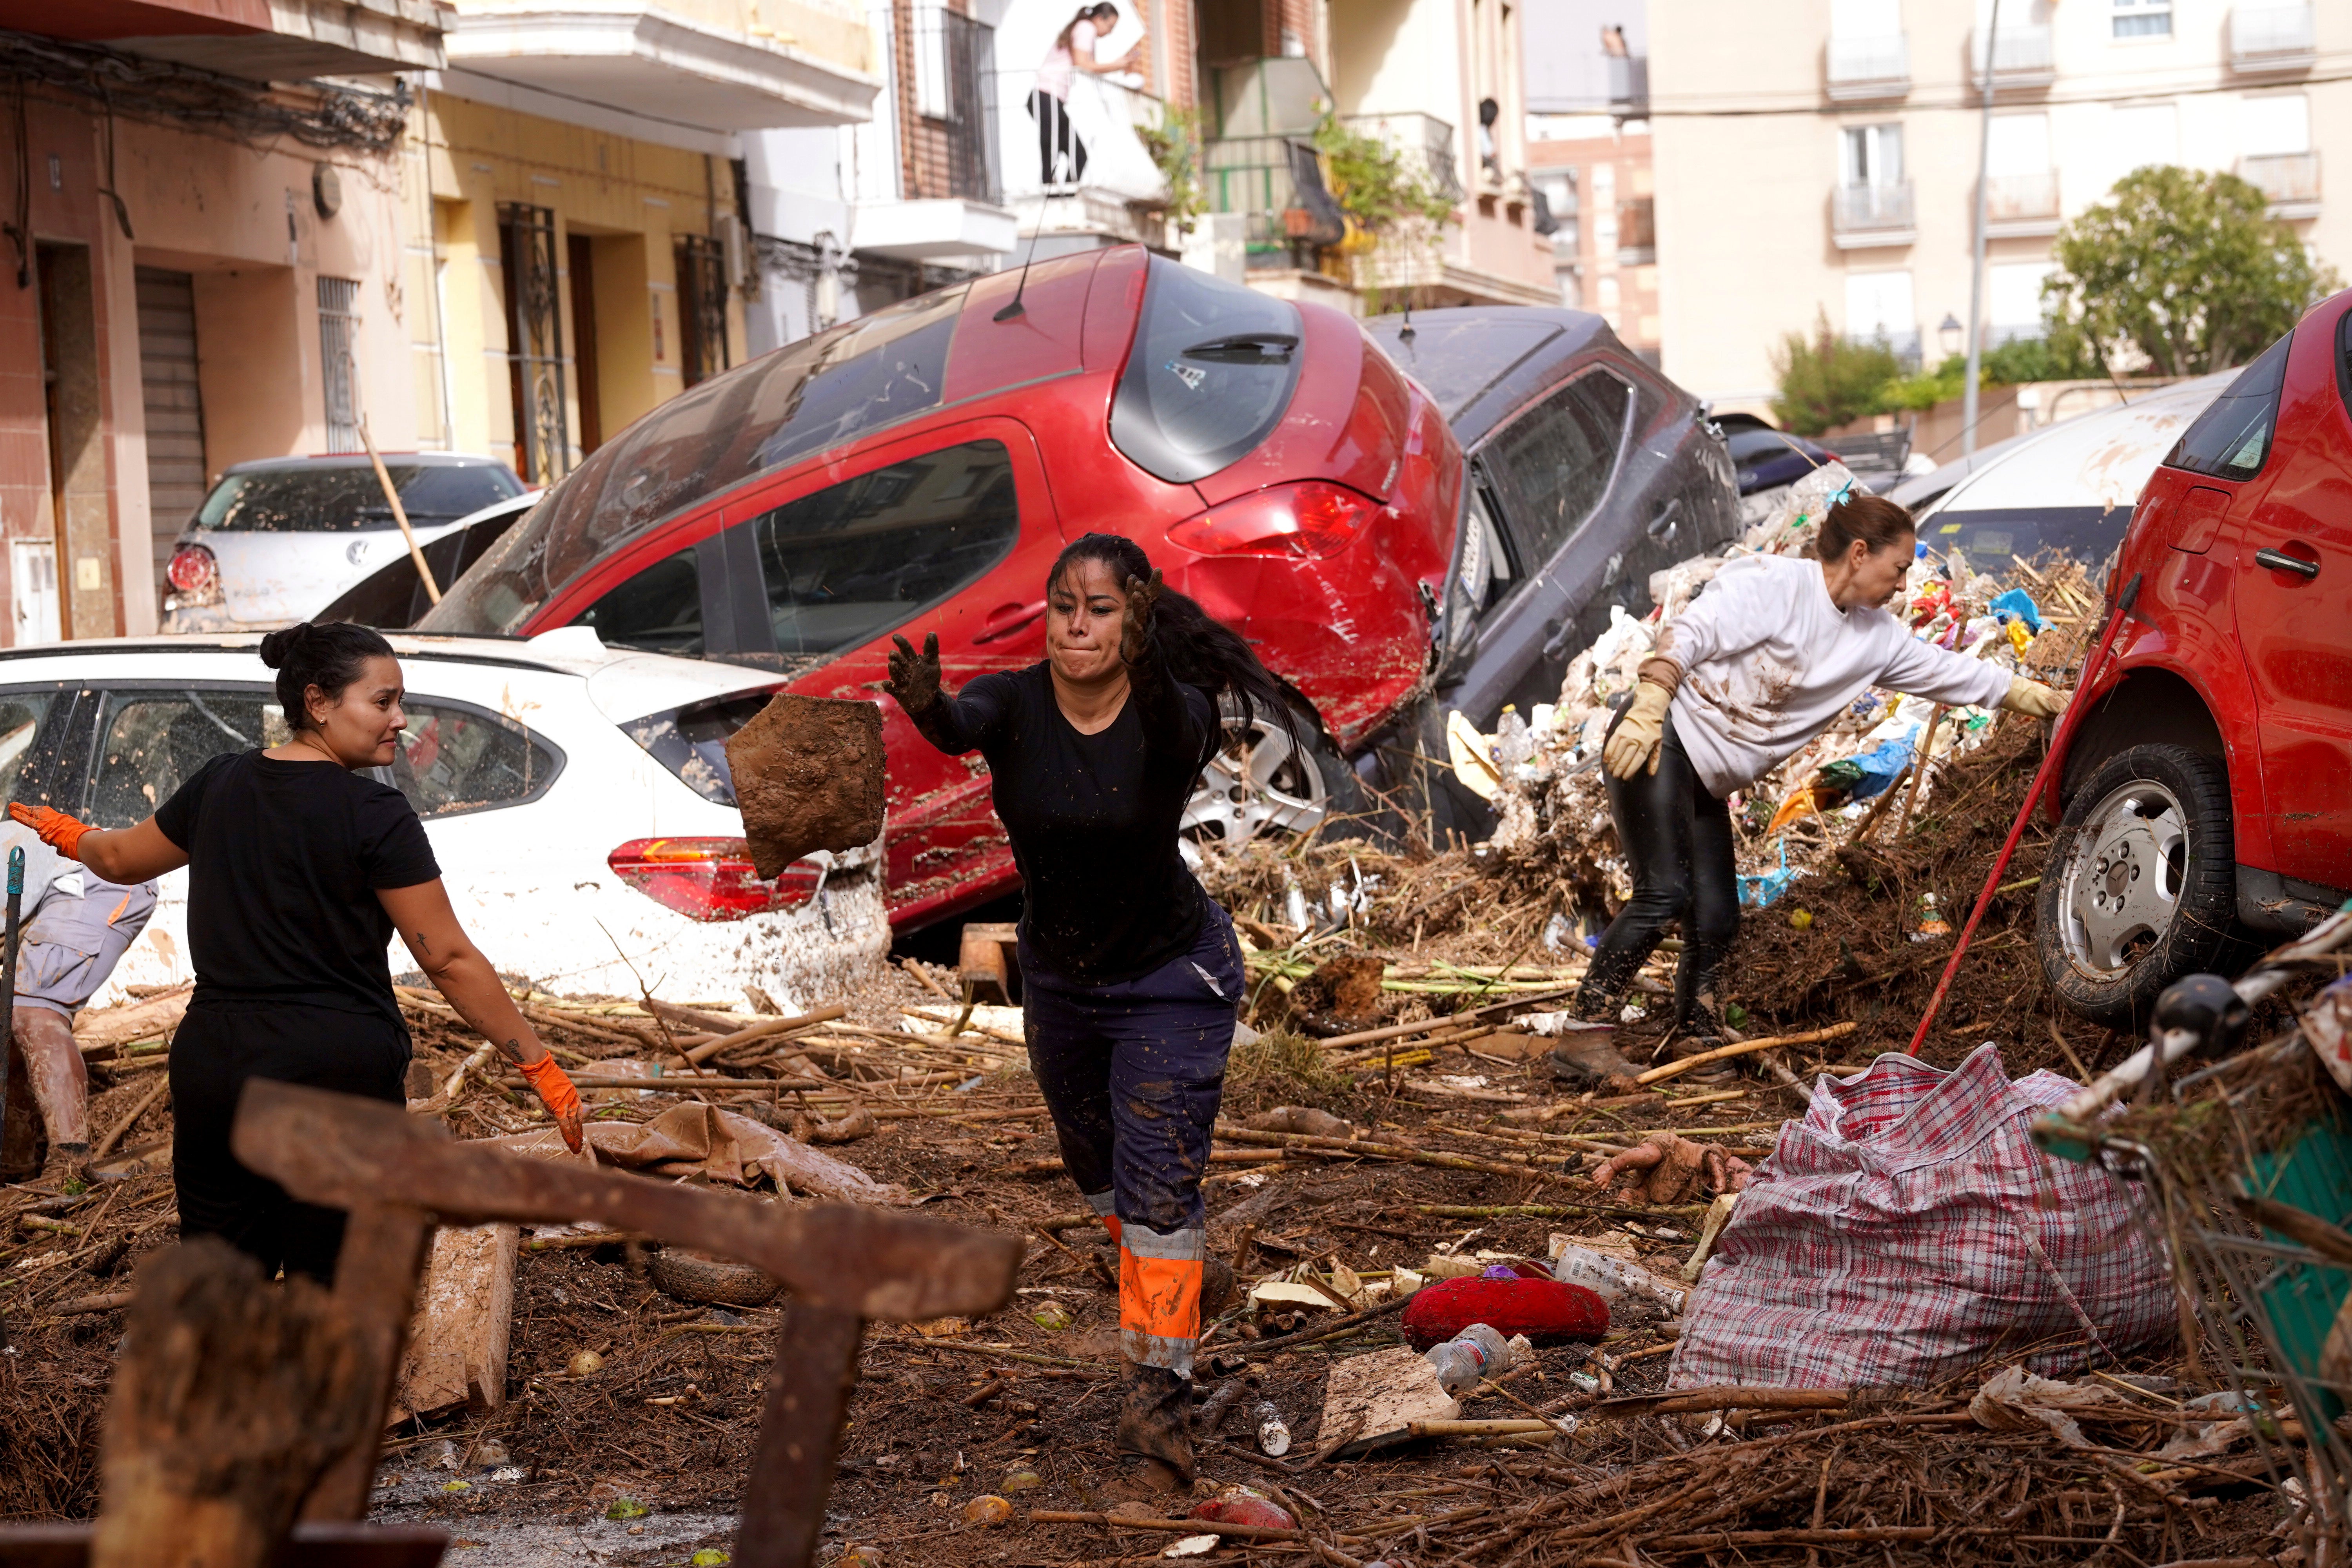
[(2013, 300), (1872, 154), (2142, 19), (2274, 127), (1879, 309), (339, 329), (2020, 144), (1866, 19), (2139, 135)]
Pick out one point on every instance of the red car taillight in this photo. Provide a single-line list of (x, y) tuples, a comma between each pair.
[(1311, 519), (194, 574), (708, 879)]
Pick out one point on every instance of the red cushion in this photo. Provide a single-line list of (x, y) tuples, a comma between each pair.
[(1549, 1311)]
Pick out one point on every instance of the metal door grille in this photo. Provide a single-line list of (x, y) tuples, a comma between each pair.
[(701, 306), (338, 333), (534, 341)]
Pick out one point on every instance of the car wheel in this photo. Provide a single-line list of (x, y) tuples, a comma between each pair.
[(1262, 782), (2141, 884)]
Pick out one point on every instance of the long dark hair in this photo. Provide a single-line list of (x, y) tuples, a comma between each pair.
[(1085, 14), (1200, 650), (329, 657)]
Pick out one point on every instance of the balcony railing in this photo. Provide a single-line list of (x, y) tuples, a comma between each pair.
[(1629, 86), (2290, 179), (2021, 56), (1423, 140), (1863, 68), (2274, 37), (1905, 343), (2021, 198), (1873, 213), (1275, 184)]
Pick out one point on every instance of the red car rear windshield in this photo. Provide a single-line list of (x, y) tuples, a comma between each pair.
[(815, 395), (1213, 368)]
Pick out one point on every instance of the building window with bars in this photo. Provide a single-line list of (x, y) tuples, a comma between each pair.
[(2143, 18), (535, 364), (339, 336), (701, 306)]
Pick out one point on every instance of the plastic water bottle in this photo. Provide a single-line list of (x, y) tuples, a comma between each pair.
[(1513, 744), (1272, 1431), (1475, 1353), (1612, 1279), (1293, 902)]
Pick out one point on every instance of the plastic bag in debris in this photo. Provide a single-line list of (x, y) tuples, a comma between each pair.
[(1865, 773), (1907, 1229)]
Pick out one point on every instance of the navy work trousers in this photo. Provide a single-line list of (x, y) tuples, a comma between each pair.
[(1133, 1073)]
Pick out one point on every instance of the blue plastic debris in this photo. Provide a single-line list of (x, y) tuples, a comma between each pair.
[(2017, 605), (1760, 890)]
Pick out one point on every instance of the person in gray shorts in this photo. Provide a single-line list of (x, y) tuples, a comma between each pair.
[(76, 926)]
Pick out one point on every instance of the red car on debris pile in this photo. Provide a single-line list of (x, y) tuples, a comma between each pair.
[(919, 468), (2209, 788)]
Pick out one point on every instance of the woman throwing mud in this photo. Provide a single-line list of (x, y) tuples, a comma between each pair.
[(1130, 973), (1760, 663), (300, 870)]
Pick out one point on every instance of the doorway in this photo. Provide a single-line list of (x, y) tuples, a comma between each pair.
[(580, 267), (77, 499)]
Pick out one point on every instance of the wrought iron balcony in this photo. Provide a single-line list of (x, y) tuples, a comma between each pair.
[(2274, 37), (2290, 179), (2018, 204), (2021, 56), (1864, 70), (1870, 214)]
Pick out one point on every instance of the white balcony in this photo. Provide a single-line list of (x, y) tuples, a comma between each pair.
[(935, 229), (680, 62), (1864, 216), (305, 38), (2021, 56), (2265, 38), (1868, 69), (2290, 181), (1424, 141), (2021, 206)]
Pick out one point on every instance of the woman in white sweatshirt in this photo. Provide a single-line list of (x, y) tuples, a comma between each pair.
[(1758, 665)]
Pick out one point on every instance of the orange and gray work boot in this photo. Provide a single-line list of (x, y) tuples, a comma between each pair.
[(1159, 1326)]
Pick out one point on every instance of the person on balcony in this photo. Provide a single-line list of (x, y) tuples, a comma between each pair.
[(1049, 101)]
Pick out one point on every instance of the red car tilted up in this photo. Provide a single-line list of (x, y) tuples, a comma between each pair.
[(2209, 787), (917, 471)]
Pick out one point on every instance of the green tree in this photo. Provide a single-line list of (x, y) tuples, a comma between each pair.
[(1826, 380), (1374, 184), (2182, 266)]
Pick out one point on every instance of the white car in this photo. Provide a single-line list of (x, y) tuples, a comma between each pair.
[(577, 797), (277, 540)]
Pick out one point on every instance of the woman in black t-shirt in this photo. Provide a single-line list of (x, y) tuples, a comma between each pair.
[(1130, 975), (300, 870)]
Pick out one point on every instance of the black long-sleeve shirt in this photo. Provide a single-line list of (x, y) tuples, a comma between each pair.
[(1093, 818)]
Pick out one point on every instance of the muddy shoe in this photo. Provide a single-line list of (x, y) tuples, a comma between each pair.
[(1155, 1424), (1588, 1056), (1698, 1034)]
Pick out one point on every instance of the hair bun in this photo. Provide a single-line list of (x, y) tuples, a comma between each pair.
[(278, 647)]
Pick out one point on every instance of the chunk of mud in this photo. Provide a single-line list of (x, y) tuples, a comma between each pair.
[(808, 776), (1342, 994)]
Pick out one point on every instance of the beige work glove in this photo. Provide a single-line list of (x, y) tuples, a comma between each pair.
[(1635, 739), (2033, 698)]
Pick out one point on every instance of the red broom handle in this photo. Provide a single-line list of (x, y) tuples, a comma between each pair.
[(2041, 779)]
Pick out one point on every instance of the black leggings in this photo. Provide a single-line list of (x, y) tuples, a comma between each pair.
[(1056, 143), (1678, 839)]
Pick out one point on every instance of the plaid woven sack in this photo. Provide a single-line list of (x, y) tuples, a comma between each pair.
[(1907, 1229)]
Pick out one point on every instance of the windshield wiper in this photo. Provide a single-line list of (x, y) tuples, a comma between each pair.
[(1245, 348)]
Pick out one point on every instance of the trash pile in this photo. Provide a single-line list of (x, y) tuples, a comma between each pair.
[(1831, 1310)]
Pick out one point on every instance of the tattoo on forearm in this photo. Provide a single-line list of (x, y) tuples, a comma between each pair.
[(513, 1051), (424, 948)]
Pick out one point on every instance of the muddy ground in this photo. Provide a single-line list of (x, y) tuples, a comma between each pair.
[(1010, 1405)]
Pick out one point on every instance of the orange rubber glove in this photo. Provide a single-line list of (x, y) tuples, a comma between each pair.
[(60, 832), (555, 1092)]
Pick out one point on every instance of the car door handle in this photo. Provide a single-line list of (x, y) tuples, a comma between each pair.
[(1662, 525), (2279, 561), (1006, 619)]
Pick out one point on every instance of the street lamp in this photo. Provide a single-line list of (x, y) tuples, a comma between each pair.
[(1950, 334)]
